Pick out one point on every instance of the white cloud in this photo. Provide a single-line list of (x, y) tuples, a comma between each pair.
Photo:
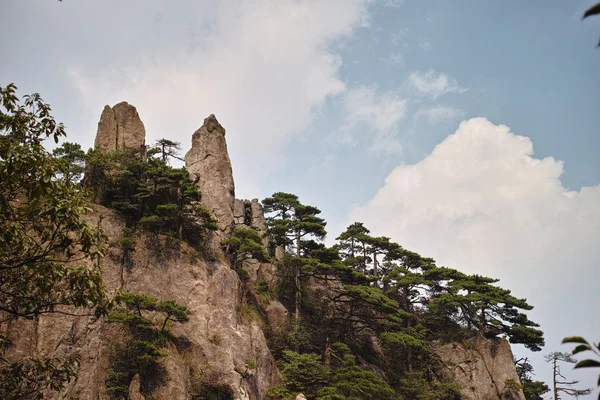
[(481, 202), (426, 45), (261, 67), (394, 59), (434, 84), (436, 114), (377, 113), (399, 36)]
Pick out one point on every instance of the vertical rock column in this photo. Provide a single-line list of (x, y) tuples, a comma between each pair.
[(120, 127), (209, 167)]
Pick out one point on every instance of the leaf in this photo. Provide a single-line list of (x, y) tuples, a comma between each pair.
[(574, 339), (594, 10), (580, 348), (587, 364)]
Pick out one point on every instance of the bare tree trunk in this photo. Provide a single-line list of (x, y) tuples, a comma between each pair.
[(181, 207), (327, 353), (554, 379), (298, 294), (375, 265)]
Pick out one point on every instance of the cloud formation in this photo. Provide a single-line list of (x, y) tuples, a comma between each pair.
[(377, 114), (434, 84), (262, 68), (481, 203), (436, 114)]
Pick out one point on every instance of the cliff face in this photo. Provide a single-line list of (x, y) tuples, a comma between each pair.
[(218, 339), (484, 368), (221, 339)]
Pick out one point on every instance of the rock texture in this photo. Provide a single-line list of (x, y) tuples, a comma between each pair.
[(249, 214), (220, 340), (210, 168), (483, 367), (120, 127)]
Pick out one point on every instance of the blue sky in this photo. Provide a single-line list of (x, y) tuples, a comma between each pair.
[(390, 112)]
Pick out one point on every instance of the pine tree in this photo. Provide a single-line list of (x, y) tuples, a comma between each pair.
[(290, 223), (533, 390)]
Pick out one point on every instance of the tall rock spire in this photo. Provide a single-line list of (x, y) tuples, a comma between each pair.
[(120, 127), (210, 169)]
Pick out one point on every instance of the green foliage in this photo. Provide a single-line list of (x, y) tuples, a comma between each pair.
[(371, 286), (148, 192), (417, 386), (534, 390), (30, 377), (72, 159), (303, 372), (279, 393), (349, 381), (345, 380), (248, 314), (49, 253), (582, 346), (245, 243), (290, 221), (142, 352), (511, 384), (215, 339)]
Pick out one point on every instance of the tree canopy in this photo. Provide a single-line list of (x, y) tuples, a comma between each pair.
[(49, 252)]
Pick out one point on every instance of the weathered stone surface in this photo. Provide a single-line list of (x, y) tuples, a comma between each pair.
[(131, 133), (210, 168), (106, 136), (277, 315), (258, 217), (134, 389), (239, 212), (483, 367), (120, 127), (219, 343)]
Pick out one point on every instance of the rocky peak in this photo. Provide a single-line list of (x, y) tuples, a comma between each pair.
[(120, 127), (210, 169)]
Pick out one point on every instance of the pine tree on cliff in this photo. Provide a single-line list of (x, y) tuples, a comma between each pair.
[(533, 390), (478, 303), (291, 224), (352, 245)]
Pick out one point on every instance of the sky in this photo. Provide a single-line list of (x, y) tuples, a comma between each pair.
[(465, 130)]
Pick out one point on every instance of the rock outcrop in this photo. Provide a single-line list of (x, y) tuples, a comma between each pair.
[(223, 335), (215, 344), (120, 127), (222, 347), (484, 368), (210, 168), (249, 214)]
